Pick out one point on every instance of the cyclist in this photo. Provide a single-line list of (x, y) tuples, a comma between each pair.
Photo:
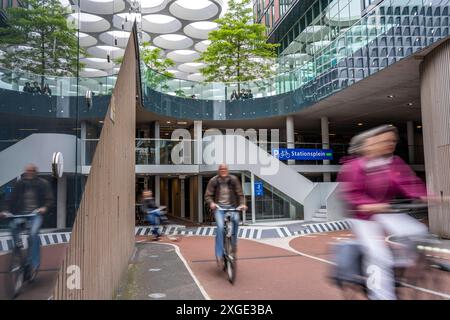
[(151, 212), (30, 193), (224, 190), (370, 182)]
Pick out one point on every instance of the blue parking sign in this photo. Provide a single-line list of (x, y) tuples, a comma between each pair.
[(259, 188)]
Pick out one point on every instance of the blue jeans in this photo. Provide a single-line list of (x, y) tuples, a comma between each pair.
[(154, 219), (34, 250), (219, 216)]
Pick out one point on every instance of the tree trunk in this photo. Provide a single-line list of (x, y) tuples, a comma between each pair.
[(42, 60), (238, 69)]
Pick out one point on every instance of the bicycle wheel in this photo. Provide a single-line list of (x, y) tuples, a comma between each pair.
[(351, 291), (230, 264), (423, 281), (16, 272)]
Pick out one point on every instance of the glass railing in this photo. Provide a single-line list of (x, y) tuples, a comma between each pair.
[(59, 86), (391, 31)]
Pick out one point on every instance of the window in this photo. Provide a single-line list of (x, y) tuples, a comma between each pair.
[(316, 9)]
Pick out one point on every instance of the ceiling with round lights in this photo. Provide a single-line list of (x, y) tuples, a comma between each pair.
[(179, 27)]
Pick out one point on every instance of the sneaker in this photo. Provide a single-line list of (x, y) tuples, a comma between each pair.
[(30, 273), (33, 274)]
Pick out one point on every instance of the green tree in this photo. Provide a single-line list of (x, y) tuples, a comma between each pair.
[(238, 51), (156, 72), (39, 39)]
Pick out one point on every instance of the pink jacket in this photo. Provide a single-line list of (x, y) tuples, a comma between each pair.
[(361, 185)]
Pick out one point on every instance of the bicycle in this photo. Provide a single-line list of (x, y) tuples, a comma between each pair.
[(229, 260), (156, 218), (349, 276), (19, 269)]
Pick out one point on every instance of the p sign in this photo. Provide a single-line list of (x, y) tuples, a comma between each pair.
[(275, 152), (259, 188)]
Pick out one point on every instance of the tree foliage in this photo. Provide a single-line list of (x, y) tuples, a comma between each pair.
[(156, 73), (39, 39), (238, 51)]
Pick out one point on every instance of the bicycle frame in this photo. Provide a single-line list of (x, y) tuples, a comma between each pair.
[(23, 219), (19, 269), (229, 260), (408, 246)]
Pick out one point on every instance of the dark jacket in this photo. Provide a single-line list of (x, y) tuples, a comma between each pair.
[(36, 89), (39, 185), (213, 190), (148, 204)]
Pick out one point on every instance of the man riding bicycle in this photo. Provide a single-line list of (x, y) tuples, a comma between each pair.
[(225, 191), (151, 212), (30, 193)]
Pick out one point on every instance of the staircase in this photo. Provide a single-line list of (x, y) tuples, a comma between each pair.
[(38, 149), (320, 215)]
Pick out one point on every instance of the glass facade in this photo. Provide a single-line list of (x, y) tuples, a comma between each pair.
[(269, 12), (35, 123), (271, 204), (332, 45)]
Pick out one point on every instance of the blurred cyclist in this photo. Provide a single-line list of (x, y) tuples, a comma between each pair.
[(370, 182), (31, 193), (225, 191), (151, 212)]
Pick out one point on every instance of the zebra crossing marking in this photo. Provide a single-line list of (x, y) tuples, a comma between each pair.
[(6, 243)]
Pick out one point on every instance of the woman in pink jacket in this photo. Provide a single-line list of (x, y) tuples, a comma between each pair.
[(370, 182)]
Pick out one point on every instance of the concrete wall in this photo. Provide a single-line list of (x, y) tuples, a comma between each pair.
[(102, 239), (435, 101)]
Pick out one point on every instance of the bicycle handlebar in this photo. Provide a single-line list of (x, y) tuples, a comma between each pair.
[(160, 208), (407, 206), (227, 209), (9, 215)]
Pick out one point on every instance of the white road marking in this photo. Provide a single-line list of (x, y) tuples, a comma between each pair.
[(283, 243), (177, 250)]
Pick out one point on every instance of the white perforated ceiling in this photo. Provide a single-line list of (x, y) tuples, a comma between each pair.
[(179, 27)]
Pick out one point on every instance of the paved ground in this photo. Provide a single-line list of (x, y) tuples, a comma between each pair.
[(288, 268), (435, 284), (292, 268), (42, 287), (265, 272), (157, 272)]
